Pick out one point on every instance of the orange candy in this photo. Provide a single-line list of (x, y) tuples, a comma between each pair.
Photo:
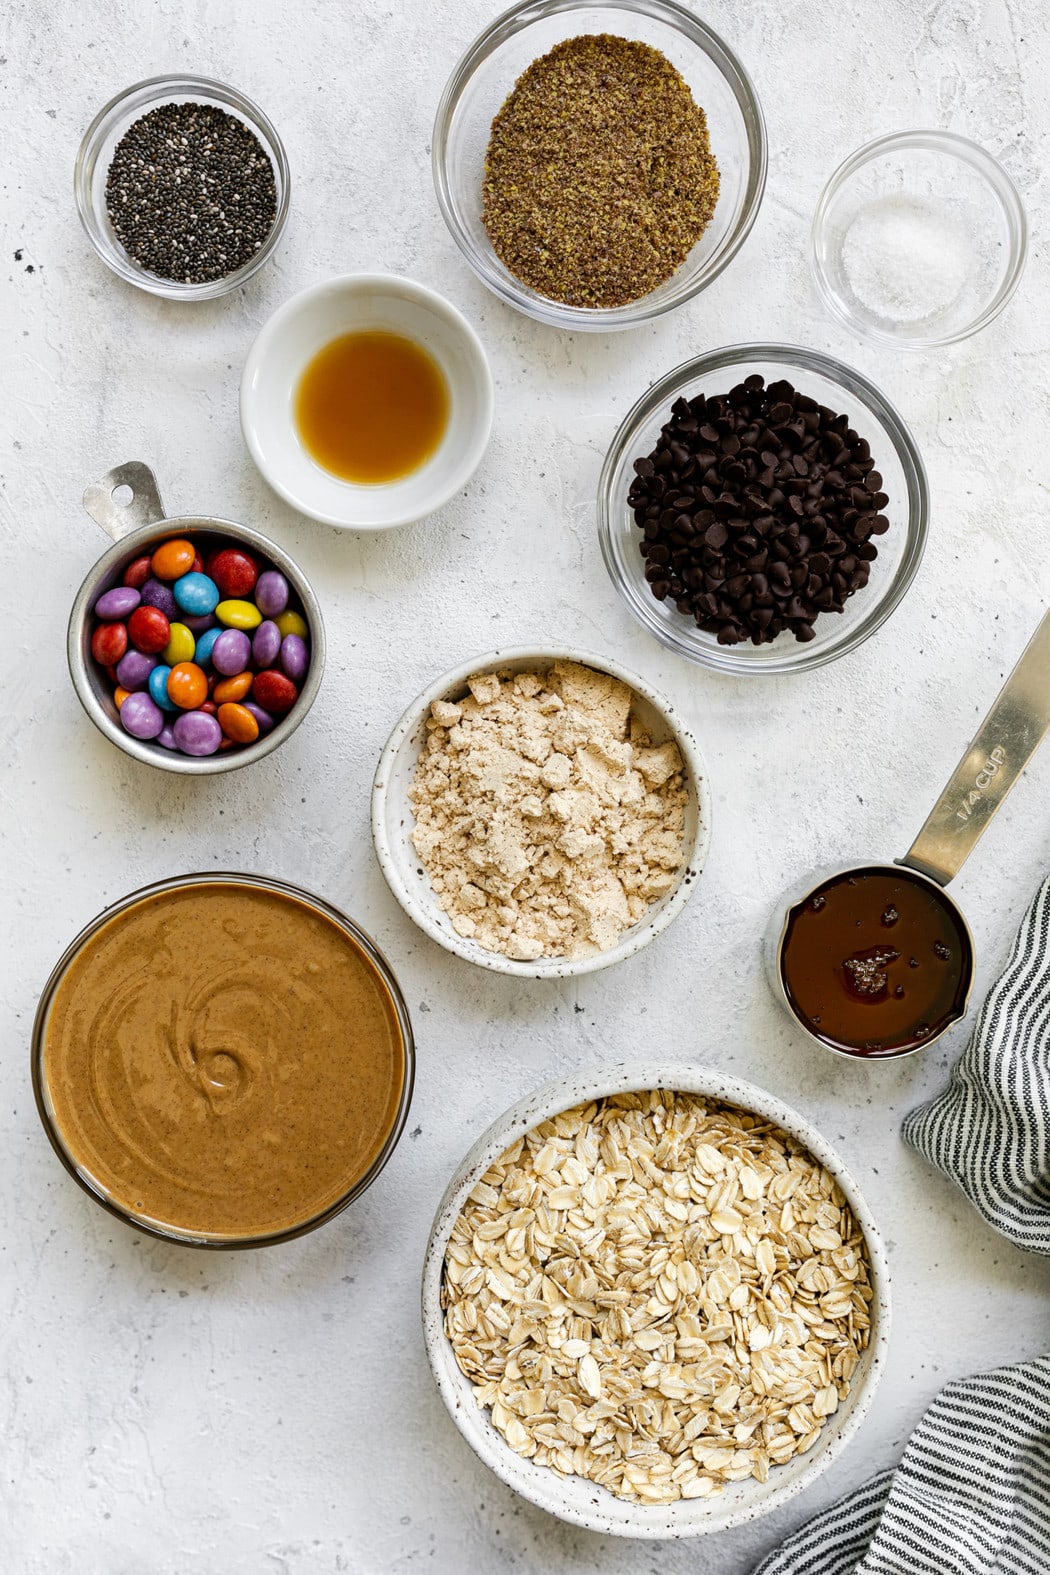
[(234, 688), (238, 723), (187, 685), (173, 559), (120, 695)]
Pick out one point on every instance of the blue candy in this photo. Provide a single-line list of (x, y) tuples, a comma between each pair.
[(196, 594), (158, 688), (205, 642)]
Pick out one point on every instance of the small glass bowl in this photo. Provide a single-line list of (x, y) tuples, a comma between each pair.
[(96, 154), (487, 73), (896, 457), (919, 239)]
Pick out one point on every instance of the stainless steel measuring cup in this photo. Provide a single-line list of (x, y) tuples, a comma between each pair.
[(994, 759)]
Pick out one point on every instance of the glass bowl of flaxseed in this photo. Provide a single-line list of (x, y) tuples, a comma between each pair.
[(599, 164), (182, 186)]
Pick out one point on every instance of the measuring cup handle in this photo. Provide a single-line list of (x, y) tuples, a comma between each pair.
[(998, 753), (142, 508)]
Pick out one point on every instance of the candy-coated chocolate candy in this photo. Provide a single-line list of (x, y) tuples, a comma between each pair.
[(199, 625), (173, 559), (119, 696), (206, 644), (155, 594), (137, 573), (271, 593), (290, 622), (231, 652), (197, 566), (196, 594), (187, 686), (295, 658), (141, 717), (158, 688), (117, 603), (264, 719), (266, 643), (166, 737), (231, 689), (209, 706), (238, 723), (181, 645), (108, 643), (274, 691), (197, 733), (148, 630), (134, 668), (233, 571), (239, 615)]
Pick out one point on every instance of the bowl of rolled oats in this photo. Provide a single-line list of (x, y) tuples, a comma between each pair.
[(541, 812), (655, 1301)]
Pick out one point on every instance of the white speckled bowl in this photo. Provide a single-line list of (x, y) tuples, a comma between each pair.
[(574, 1499), (393, 820)]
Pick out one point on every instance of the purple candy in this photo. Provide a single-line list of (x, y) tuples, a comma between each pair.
[(266, 644), (271, 593), (134, 668), (140, 717), (200, 623), (231, 652), (295, 658), (264, 719), (196, 733), (166, 736), (118, 602), (156, 594)]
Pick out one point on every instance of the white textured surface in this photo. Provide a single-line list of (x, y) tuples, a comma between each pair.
[(168, 1412)]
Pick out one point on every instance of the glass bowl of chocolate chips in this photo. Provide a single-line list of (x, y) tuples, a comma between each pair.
[(763, 509)]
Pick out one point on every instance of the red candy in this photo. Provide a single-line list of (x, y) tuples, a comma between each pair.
[(109, 642), (274, 692), (198, 564), (233, 572), (136, 574), (148, 630)]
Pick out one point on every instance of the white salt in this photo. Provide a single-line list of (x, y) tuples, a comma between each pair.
[(904, 260)]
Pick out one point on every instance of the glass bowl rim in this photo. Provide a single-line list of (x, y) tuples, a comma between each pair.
[(165, 86), (739, 660), (516, 19), (952, 145), (342, 921)]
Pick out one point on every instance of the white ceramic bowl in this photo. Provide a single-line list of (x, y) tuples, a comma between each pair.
[(393, 820), (294, 335), (573, 1498)]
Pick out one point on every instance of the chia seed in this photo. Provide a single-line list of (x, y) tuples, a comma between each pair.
[(191, 193)]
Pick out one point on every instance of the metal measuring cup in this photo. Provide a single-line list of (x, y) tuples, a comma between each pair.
[(994, 759)]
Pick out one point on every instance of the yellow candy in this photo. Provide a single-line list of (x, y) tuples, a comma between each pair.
[(181, 646), (291, 623), (239, 615)]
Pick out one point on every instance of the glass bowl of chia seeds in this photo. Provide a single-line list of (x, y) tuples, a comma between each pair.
[(182, 185), (763, 509), (660, 53)]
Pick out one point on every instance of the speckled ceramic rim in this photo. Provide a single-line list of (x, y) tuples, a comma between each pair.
[(93, 1188), (583, 1503), (358, 513), (682, 636), (498, 280), (90, 687), (419, 901), (121, 111), (950, 145)]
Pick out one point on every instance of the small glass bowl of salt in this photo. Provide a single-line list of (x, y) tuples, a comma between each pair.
[(919, 239)]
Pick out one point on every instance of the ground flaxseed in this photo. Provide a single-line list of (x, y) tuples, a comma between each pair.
[(190, 192), (599, 176)]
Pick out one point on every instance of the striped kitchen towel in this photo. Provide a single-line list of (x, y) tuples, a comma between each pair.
[(990, 1129), (971, 1495)]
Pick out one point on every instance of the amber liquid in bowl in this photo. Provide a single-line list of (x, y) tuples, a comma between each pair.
[(875, 962), (372, 407), (223, 1060)]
